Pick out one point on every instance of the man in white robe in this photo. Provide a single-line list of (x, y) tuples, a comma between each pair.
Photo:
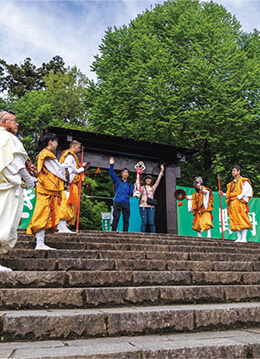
[(12, 175)]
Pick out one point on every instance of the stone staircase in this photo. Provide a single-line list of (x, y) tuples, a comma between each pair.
[(129, 295)]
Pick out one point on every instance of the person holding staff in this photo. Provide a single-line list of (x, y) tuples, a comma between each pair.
[(51, 178), (147, 204), (124, 190), (70, 197), (201, 204), (239, 193)]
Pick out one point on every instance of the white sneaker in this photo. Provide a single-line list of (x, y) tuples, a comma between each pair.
[(5, 269), (238, 240), (42, 246)]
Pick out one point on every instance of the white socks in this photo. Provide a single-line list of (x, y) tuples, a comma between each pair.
[(40, 241), (241, 236), (5, 269), (62, 227), (244, 233), (208, 233)]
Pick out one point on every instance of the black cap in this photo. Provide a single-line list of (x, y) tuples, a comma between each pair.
[(148, 176)]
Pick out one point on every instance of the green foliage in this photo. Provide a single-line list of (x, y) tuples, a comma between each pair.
[(66, 92), (26, 77), (90, 213), (61, 104), (182, 74)]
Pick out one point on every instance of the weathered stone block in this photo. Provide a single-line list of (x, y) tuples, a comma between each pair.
[(32, 279), (99, 278), (197, 294), (251, 278), (216, 277), (121, 296), (85, 264), (41, 298), (232, 266), (40, 264), (58, 324), (242, 293), (128, 264), (227, 316), (122, 254), (189, 265), (148, 320), (165, 277)]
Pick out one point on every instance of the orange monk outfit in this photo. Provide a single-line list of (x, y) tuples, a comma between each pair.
[(237, 209), (202, 217), (46, 214), (69, 206)]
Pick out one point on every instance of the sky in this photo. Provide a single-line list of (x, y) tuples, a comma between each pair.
[(74, 29)]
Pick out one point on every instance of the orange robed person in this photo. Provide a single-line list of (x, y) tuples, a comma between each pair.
[(239, 193), (69, 204), (201, 204), (51, 178)]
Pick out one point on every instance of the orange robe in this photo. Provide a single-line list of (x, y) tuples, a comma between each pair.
[(202, 217), (46, 213), (69, 206), (237, 209)]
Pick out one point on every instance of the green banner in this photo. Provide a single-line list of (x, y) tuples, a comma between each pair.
[(185, 219), (29, 200)]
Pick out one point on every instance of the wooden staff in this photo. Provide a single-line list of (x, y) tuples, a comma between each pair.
[(220, 203), (80, 184)]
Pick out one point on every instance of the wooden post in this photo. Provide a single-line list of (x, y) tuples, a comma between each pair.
[(171, 173)]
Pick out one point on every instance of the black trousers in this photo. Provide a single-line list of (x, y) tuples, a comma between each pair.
[(125, 207)]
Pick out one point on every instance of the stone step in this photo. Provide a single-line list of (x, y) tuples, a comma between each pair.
[(86, 323), (143, 248), (63, 279), (51, 264), (144, 238), (243, 344), (66, 245), (59, 298), (47, 264), (95, 254)]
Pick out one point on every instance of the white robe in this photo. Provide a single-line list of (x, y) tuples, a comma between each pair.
[(70, 162), (12, 159)]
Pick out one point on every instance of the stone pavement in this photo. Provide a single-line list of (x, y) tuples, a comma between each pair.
[(224, 344), (130, 295)]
